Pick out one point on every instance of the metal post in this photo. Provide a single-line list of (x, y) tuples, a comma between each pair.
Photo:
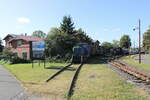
[(39, 62), (44, 63), (32, 64), (134, 45), (139, 41), (81, 59)]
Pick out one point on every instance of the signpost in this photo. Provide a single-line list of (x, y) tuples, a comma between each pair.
[(37, 52)]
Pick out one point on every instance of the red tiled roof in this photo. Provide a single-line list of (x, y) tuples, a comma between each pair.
[(31, 38), (22, 37)]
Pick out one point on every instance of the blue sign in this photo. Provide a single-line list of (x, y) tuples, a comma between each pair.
[(38, 46), (38, 49)]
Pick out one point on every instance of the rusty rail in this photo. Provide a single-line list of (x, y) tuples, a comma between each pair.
[(140, 74), (58, 72), (73, 82)]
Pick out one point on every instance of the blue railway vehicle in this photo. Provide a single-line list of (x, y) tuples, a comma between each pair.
[(81, 50)]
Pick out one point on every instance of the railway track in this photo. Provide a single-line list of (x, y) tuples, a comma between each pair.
[(139, 74), (58, 72), (73, 81)]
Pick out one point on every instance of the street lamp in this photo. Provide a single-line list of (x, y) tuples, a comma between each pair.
[(139, 28)]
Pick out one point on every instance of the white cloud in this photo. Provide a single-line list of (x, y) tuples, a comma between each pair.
[(23, 20)]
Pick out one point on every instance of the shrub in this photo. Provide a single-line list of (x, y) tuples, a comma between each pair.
[(16, 59), (12, 58), (60, 59)]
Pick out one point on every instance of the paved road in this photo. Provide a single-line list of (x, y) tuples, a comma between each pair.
[(10, 88), (143, 59)]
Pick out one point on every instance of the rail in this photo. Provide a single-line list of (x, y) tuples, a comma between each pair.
[(139, 74)]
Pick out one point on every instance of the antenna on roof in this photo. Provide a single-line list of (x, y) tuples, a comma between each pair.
[(25, 34)]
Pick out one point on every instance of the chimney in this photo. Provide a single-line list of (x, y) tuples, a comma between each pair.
[(25, 34)]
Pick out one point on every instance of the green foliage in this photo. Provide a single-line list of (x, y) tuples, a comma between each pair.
[(58, 44), (115, 43), (67, 25), (60, 41), (81, 36), (125, 41), (7, 54), (107, 45), (39, 33), (16, 60), (1, 46), (146, 40), (135, 63), (11, 58)]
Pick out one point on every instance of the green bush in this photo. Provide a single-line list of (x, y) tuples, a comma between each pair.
[(60, 59), (11, 58), (16, 59)]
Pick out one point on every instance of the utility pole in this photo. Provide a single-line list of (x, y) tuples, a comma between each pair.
[(139, 41), (134, 45), (139, 28)]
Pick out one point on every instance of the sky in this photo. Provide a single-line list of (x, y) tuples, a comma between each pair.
[(103, 20)]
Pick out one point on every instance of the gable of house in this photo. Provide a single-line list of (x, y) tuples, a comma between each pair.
[(20, 44)]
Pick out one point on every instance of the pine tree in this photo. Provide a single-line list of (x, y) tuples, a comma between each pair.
[(67, 25)]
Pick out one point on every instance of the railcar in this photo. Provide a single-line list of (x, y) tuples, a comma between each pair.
[(82, 51)]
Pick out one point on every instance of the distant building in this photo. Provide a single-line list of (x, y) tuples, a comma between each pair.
[(20, 44)]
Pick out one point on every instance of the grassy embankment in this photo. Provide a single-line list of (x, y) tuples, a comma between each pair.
[(130, 60), (148, 57), (96, 82)]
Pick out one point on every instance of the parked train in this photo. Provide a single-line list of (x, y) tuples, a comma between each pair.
[(82, 51)]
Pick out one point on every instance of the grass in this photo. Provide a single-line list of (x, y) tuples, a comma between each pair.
[(130, 60), (148, 57), (25, 72), (96, 82)]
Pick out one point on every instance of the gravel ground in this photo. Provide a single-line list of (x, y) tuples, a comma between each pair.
[(131, 79)]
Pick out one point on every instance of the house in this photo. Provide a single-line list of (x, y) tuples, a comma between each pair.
[(20, 44)]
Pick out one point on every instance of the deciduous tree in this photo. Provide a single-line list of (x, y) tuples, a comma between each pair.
[(125, 41), (1, 46), (146, 40), (39, 33)]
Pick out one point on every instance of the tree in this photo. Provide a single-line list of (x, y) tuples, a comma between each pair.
[(58, 44), (107, 45), (52, 46), (125, 41), (39, 33), (60, 41), (81, 36), (146, 40), (115, 43), (67, 25), (7, 54), (1, 46)]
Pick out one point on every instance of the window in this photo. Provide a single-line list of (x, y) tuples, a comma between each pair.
[(19, 43), (24, 55), (16, 54)]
